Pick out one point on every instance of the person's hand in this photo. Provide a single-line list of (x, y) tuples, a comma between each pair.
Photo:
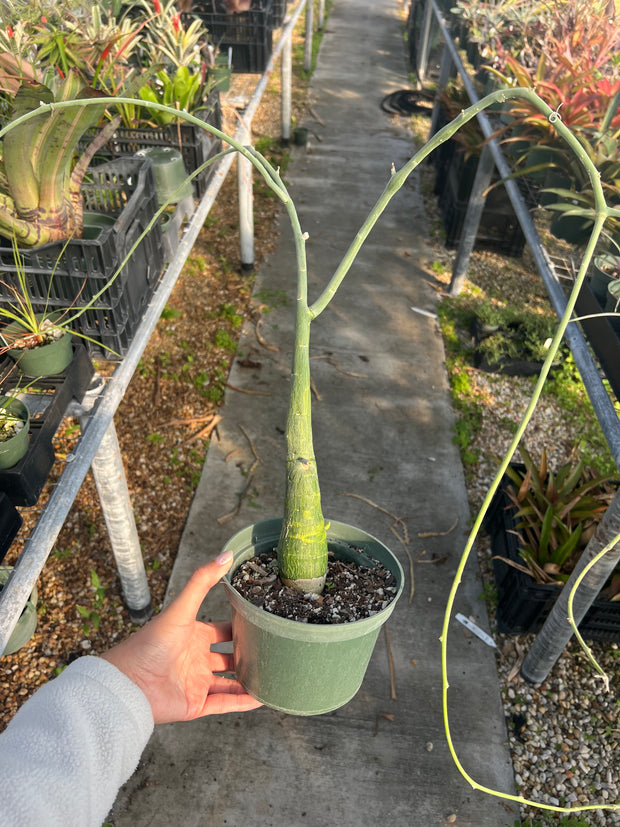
[(170, 658)]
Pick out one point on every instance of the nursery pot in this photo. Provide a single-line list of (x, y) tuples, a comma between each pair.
[(600, 278), (44, 360), (27, 623), (575, 229), (94, 223), (170, 175), (222, 72), (14, 448), (304, 668), (300, 136)]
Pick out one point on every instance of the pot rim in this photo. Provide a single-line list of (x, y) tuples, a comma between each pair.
[(270, 532)]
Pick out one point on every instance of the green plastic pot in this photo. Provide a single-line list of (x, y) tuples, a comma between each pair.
[(94, 223), (45, 360), (304, 668), (13, 449), (575, 229), (221, 73), (170, 176), (27, 623)]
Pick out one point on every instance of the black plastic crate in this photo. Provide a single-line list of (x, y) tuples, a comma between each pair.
[(523, 605), (248, 34), (499, 227), (10, 523), (195, 144), (278, 13), (24, 482), (69, 279)]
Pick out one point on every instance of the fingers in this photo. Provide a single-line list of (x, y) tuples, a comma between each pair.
[(186, 604), (219, 703)]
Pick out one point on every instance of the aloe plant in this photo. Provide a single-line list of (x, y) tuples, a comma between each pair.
[(40, 198)]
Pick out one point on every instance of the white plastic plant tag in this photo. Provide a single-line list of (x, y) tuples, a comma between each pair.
[(469, 624)]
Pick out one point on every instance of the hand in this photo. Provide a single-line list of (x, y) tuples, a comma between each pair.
[(170, 658)]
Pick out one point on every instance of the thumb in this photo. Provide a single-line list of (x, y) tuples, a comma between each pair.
[(186, 604)]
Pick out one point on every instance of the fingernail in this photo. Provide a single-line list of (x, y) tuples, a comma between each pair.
[(224, 557)]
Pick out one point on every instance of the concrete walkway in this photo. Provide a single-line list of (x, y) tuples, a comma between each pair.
[(383, 432)]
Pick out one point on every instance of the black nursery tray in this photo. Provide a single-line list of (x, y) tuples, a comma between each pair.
[(195, 144), (523, 604), (249, 34), (24, 482)]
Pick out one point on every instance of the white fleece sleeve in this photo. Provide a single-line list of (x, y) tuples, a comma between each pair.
[(69, 749)]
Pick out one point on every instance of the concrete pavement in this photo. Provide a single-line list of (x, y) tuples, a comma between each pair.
[(383, 433)]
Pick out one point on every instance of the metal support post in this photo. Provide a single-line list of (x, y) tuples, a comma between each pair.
[(308, 43), (287, 82), (321, 21), (109, 474), (475, 207), (447, 71), (246, 206), (425, 39), (556, 631)]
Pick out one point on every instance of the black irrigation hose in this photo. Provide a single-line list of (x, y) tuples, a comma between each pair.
[(408, 102)]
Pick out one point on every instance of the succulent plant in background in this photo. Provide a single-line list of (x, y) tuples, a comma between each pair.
[(40, 182), (557, 513)]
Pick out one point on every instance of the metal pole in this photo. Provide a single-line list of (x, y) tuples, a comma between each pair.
[(111, 483), (287, 76), (556, 631), (602, 404), (473, 214), (447, 71), (246, 206), (321, 22), (308, 43), (424, 48)]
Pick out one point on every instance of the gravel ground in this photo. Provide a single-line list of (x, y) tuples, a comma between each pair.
[(564, 734)]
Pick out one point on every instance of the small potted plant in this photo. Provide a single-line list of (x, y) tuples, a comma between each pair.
[(510, 341), (605, 269), (14, 426)]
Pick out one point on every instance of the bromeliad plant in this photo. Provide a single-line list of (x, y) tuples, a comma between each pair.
[(302, 547), (557, 513)]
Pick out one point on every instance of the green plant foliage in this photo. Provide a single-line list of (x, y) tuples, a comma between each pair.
[(557, 513)]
